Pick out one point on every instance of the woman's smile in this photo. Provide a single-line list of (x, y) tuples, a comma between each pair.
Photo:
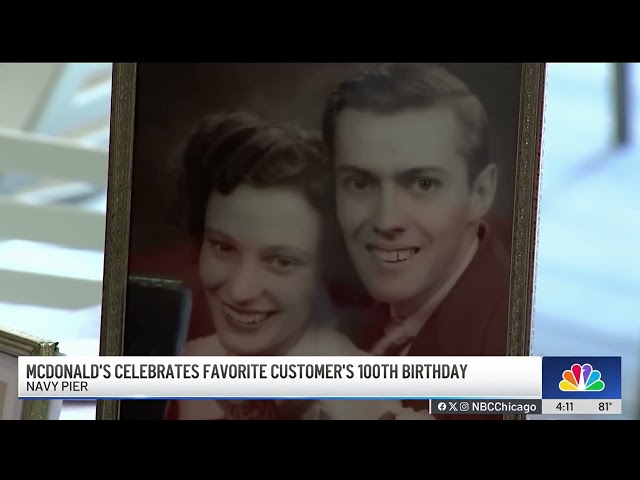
[(243, 317)]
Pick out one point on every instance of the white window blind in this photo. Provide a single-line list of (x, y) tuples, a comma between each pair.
[(53, 176)]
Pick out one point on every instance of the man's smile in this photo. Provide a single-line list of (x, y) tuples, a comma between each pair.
[(391, 255)]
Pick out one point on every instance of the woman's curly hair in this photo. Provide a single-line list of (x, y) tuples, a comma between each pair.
[(229, 149)]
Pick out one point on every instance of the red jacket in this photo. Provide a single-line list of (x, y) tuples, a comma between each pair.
[(472, 320)]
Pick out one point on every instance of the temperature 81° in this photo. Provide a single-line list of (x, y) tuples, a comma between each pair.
[(604, 406)]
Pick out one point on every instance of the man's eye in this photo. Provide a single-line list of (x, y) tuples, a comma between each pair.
[(425, 184), (357, 183)]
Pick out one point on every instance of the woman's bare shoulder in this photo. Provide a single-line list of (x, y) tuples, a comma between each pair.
[(324, 341), (204, 347)]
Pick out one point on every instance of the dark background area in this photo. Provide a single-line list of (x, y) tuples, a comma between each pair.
[(170, 98)]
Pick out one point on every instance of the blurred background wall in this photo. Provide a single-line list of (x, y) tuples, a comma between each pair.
[(587, 294), (54, 130)]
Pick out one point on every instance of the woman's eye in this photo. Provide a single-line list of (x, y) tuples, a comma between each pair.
[(221, 247), (282, 263)]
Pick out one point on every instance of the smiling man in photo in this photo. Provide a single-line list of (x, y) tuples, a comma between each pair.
[(414, 181)]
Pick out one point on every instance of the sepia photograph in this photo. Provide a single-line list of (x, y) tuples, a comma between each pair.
[(318, 209), (14, 344)]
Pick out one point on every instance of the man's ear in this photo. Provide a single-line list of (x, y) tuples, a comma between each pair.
[(483, 192)]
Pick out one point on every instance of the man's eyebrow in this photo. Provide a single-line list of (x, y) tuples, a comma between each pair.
[(421, 171), (403, 174), (346, 168)]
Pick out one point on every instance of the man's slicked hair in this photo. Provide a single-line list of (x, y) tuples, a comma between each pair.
[(397, 87)]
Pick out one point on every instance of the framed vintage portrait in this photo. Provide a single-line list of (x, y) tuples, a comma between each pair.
[(14, 344), (325, 209)]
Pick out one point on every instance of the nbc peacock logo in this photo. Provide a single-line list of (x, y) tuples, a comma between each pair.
[(581, 378)]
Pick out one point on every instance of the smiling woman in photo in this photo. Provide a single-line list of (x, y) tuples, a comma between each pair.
[(257, 203)]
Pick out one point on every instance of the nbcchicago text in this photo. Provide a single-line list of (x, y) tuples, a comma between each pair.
[(502, 407)]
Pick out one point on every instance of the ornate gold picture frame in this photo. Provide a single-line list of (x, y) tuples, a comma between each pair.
[(14, 344), (155, 108)]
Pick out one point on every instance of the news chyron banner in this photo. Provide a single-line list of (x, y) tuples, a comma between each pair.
[(455, 385), (570, 386)]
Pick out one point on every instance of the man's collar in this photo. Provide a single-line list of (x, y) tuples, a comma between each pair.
[(401, 329), (459, 322)]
